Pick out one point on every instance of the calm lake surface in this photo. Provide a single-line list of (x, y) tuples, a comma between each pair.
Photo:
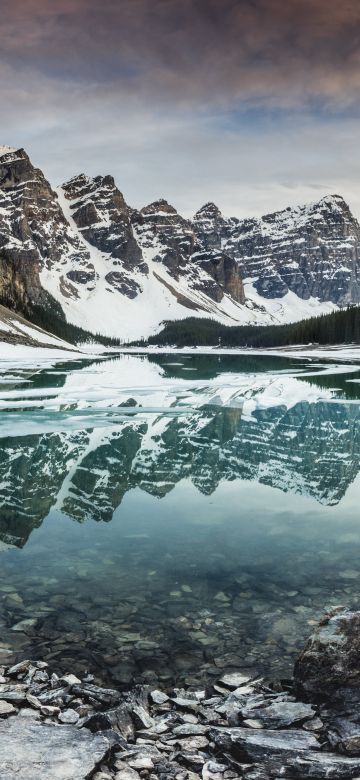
[(168, 516)]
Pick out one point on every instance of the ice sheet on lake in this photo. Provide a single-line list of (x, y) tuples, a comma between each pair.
[(102, 393)]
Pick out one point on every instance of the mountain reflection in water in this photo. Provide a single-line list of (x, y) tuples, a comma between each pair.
[(212, 526), (312, 449)]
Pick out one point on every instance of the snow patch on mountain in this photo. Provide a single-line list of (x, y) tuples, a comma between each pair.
[(289, 308)]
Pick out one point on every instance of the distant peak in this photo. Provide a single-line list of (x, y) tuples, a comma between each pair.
[(338, 200), (79, 178), (160, 205), (82, 179), (209, 210), (10, 153), (331, 203)]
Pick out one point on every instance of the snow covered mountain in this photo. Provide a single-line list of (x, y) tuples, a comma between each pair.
[(84, 254), (311, 250)]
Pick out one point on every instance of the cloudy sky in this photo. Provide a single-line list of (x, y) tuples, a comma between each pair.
[(253, 104)]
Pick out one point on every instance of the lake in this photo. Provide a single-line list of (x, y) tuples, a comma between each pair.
[(164, 517)]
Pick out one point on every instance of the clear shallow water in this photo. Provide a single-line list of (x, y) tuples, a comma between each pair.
[(165, 517)]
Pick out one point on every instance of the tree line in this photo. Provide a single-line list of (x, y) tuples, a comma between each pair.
[(338, 327)]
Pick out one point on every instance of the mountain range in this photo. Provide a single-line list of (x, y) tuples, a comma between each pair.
[(83, 254)]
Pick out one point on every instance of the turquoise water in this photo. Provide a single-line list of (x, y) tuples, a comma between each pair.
[(165, 517)]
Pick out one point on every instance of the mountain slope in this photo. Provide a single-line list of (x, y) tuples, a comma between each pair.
[(85, 255), (15, 329)]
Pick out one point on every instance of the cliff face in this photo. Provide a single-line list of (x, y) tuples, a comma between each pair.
[(102, 216), (210, 226), (33, 232), (174, 242), (312, 251)]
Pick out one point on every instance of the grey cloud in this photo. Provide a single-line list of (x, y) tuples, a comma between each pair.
[(146, 90)]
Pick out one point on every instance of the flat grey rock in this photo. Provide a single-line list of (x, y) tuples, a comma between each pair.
[(34, 751), (261, 745), (69, 716), (190, 730), (186, 704), (324, 765), (280, 714), (287, 753), (127, 774)]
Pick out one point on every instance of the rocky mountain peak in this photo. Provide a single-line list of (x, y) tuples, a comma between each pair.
[(103, 218), (210, 226), (209, 210), (5, 150), (335, 210), (334, 201), (99, 192), (158, 207), (174, 243), (15, 167), (330, 208)]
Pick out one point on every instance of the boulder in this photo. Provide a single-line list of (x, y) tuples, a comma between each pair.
[(331, 657)]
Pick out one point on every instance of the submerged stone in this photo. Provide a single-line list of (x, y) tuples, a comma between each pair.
[(24, 625), (234, 680)]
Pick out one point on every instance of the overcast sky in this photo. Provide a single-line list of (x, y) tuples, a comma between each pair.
[(253, 104)]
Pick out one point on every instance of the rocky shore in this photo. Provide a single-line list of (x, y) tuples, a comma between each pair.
[(65, 728)]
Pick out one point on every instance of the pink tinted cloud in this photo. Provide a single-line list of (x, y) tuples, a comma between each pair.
[(184, 51)]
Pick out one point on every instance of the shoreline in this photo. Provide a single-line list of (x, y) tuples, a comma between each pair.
[(334, 352), (67, 728), (42, 357)]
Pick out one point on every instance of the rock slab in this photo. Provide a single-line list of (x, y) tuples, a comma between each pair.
[(35, 751)]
